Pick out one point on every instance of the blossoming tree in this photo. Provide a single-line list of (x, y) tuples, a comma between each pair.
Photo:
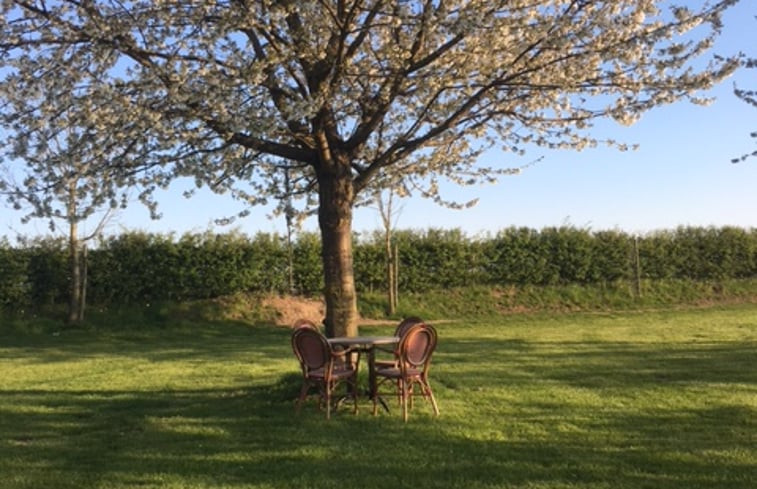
[(47, 172), (347, 96)]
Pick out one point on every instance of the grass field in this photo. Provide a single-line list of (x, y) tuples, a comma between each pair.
[(628, 400)]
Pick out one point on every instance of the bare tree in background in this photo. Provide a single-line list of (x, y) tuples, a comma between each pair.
[(385, 201)]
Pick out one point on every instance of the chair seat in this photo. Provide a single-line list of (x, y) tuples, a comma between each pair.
[(396, 373), (340, 372)]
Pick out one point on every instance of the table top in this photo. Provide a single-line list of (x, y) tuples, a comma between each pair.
[(363, 340)]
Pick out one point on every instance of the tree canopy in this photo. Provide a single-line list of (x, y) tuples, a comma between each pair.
[(345, 97), (749, 96)]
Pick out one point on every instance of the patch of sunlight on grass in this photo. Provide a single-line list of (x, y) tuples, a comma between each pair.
[(186, 426)]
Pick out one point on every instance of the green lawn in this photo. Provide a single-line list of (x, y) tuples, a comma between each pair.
[(630, 400)]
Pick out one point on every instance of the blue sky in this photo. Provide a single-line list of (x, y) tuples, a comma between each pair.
[(680, 175)]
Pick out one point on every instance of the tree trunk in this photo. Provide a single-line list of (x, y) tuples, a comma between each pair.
[(336, 196), (396, 281), (83, 280), (385, 210), (289, 216), (390, 273), (74, 267)]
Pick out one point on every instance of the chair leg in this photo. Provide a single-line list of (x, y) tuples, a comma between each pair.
[(426, 389), (354, 392), (405, 391), (303, 395), (375, 393), (376, 397), (328, 401), (321, 396)]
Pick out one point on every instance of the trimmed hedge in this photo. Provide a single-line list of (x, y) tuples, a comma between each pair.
[(136, 267)]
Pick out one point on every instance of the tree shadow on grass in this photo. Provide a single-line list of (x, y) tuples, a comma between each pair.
[(248, 435)]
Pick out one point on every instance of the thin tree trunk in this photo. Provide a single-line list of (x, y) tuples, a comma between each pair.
[(83, 290), (385, 210), (290, 258), (289, 216), (637, 266), (335, 220), (391, 300), (396, 281), (74, 259)]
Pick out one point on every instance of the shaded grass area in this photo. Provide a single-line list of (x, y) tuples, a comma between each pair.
[(625, 400)]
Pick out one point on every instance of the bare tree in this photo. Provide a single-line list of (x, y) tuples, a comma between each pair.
[(388, 213), (234, 92)]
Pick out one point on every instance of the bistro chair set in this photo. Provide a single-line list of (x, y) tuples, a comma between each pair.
[(328, 363)]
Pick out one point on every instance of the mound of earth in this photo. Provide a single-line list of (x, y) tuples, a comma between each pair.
[(287, 309)]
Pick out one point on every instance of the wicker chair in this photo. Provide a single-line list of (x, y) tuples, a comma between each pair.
[(323, 367), (399, 331), (414, 359)]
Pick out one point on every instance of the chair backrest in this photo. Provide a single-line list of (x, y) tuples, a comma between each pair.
[(311, 348), (405, 324), (417, 346)]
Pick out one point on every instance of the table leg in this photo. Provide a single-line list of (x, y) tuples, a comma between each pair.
[(373, 389), (372, 372)]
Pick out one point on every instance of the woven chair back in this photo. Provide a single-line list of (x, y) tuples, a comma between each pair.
[(311, 348), (417, 346)]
